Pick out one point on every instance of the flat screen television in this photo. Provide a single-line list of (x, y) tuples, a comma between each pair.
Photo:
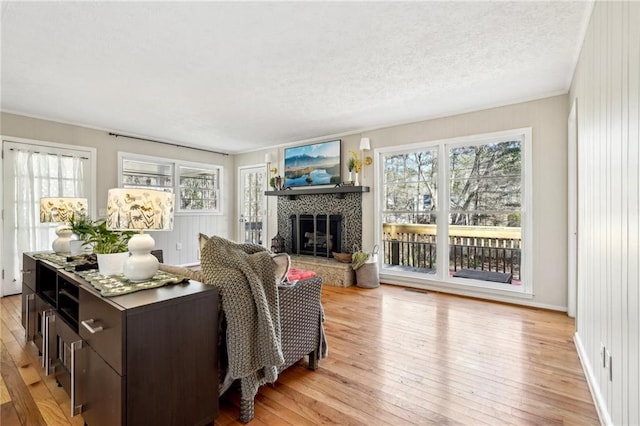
[(314, 164)]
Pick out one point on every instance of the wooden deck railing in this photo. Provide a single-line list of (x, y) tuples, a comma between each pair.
[(486, 248)]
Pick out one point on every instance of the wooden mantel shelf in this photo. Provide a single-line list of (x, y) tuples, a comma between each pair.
[(337, 191)]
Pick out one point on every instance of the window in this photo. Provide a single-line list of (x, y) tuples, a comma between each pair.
[(199, 189), (196, 185), (410, 209), (477, 236), (147, 174)]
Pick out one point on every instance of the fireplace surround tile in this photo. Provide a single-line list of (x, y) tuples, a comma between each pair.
[(350, 207)]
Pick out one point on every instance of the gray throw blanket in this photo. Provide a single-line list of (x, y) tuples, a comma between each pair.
[(244, 274)]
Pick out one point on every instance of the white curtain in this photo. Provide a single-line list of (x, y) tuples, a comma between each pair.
[(40, 174)]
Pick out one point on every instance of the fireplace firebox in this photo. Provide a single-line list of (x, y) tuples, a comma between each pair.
[(316, 235)]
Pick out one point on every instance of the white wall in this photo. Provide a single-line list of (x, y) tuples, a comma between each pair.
[(186, 227), (606, 87)]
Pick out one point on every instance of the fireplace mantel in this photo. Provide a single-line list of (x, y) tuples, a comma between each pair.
[(337, 191)]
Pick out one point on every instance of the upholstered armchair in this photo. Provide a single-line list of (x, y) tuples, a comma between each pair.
[(299, 311)]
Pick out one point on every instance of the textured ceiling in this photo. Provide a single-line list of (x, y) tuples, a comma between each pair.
[(238, 76)]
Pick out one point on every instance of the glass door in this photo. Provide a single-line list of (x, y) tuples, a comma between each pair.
[(252, 205), (31, 171)]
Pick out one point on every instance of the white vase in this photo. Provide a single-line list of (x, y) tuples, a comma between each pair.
[(141, 265), (75, 247), (356, 183), (111, 263), (350, 177)]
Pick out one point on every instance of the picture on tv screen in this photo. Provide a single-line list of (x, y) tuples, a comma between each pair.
[(315, 164)]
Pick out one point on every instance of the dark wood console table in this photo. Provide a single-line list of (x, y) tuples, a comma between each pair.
[(148, 357)]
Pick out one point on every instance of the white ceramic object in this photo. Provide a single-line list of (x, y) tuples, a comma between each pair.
[(142, 265), (75, 247), (61, 244), (111, 263)]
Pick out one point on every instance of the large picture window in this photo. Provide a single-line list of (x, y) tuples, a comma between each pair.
[(455, 210)]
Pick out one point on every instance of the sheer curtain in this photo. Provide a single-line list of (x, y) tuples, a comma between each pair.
[(40, 174)]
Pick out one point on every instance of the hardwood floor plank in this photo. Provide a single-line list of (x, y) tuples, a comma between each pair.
[(8, 415), (23, 403), (396, 357), (289, 416), (4, 392)]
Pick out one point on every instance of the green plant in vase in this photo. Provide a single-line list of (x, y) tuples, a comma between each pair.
[(81, 226), (351, 165), (110, 247), (106, 241)]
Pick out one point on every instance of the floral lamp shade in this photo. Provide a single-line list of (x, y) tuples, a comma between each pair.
[(140, 209), (61, 209)]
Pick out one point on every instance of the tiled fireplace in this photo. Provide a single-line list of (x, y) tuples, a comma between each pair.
[(318, 224)]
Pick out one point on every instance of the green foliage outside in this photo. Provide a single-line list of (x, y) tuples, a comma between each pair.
[(484, 185)]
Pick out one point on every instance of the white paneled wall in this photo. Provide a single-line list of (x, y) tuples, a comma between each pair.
[(607, 89), (185, 237)]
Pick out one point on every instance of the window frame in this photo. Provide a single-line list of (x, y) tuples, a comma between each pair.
[(442, 278)]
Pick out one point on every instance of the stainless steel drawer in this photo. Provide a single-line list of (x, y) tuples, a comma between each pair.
[(101, 327)]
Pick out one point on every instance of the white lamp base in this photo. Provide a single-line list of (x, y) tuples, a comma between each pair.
[(141, 265), (61, 244)]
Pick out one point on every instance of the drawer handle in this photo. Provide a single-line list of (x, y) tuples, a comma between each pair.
[(48, 317), (75, 407), (26, 271), (93, 330), (28, 299)]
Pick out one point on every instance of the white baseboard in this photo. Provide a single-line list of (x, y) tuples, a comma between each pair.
[(598, 399), (480, 293)]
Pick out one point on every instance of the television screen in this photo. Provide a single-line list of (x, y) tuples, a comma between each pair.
[(315, 164)]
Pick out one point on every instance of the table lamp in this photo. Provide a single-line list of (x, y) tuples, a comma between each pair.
[(139, 210), (60, 210)]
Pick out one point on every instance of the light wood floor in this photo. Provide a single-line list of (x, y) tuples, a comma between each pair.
[(396, 357)]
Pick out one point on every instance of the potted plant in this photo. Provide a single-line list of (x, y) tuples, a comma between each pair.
[(110, 247), (355, 165), (351, 165), (81, 227)]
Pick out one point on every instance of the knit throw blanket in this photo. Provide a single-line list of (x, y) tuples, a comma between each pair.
[(244, 274)]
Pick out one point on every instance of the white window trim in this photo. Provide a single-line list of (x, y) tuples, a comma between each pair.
[(203, 166), (176, 178), (441, 280)]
